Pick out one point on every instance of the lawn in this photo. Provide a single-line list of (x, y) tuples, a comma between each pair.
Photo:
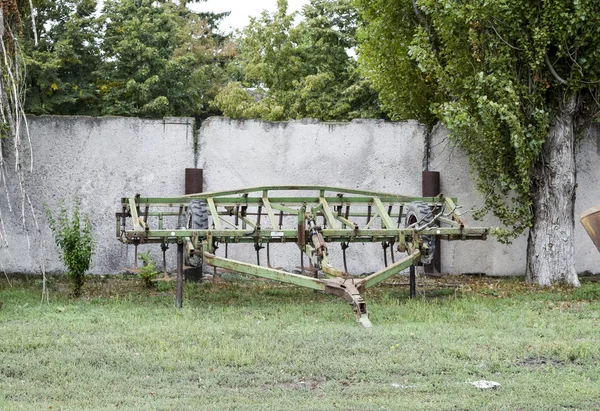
[(247, 344)]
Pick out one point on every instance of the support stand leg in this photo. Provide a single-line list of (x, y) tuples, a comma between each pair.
[(179, 275), (164, 247), (413, 282)]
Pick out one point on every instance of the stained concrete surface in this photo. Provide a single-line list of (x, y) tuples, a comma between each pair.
[(98, 160), (103, 159)]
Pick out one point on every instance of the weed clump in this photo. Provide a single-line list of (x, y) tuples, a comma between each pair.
[(73, 237), (148, 271)]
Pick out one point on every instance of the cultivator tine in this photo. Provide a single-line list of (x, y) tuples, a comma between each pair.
[(257, 247), (385, 246), (412, 279), (164, 247), (344, 246), (392, 251)]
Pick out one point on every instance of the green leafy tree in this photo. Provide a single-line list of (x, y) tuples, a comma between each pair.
[(61, 67), (137, 58), (199, 36), (304, 70), (514, 82), (160, 59), (138, 43)]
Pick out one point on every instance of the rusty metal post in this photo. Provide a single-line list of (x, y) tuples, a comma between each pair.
[(179, 275), (193, 180), (431, 188)]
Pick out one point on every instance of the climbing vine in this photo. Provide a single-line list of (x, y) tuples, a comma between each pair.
[(496, 73)]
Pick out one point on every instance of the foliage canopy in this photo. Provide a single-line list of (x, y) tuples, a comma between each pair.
[(496, 72), (288, 71), (136, 58)]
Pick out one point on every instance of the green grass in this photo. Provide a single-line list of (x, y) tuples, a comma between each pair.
[(259, 345)]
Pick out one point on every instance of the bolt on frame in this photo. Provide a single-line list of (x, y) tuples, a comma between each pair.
[(312, 217)]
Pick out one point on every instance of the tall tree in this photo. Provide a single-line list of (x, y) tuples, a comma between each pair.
[(139, 39), (289, 70), (61, 65), (160, 59), (515, 82)]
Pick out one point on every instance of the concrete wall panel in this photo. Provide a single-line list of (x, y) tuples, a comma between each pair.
[(103, 159), (99, 160), (366, 154), (492, 257)]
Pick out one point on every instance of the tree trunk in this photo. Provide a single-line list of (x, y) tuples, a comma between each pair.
[(550, 246)]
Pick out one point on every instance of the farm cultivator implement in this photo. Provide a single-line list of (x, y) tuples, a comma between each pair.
[(312, 217)]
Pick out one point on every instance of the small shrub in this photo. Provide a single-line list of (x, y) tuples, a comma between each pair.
[(148, 271), (163, 286), (73, 237)]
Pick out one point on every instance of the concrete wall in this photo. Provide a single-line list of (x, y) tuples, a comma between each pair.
[(492, 257), (104, 159), (100, 160), (366, 154)]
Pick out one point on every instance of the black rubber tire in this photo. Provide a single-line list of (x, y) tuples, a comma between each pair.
[(421, 213), (197, 219)]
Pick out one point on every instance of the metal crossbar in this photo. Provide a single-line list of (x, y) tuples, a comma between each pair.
[(309, 216)]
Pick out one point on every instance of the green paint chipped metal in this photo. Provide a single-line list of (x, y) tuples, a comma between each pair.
[(309, 216)]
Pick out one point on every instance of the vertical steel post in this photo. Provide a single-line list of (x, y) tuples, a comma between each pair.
[(179, 275), (413, 282)]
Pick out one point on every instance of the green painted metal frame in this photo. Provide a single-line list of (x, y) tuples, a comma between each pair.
[(230, 213)]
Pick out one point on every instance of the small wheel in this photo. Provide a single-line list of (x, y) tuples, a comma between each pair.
[(197, 219), (421, 214)]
